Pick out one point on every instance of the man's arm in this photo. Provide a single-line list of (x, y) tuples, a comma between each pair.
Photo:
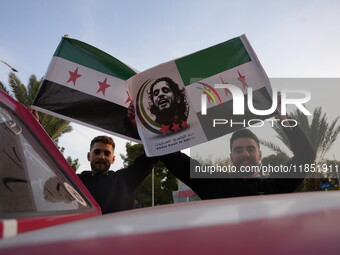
[(303, 150), (138, 171), (179, 164), (304, 153)]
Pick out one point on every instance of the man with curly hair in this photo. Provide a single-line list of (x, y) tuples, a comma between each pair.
[(168, 103)]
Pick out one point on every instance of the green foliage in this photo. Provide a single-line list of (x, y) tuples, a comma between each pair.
[(73, 163), (144, 192), (164, 181), (3, 87), (19, 89), (210, 162), (216, 162), (275, 159), (273, 146), (54, 127), (321, 133), (330, 176)]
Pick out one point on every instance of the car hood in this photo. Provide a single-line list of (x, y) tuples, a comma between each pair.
[(266, 214)]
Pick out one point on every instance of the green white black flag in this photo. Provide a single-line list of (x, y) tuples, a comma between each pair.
[(86, 85)]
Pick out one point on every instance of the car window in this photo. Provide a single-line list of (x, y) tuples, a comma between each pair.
[(31, 182)]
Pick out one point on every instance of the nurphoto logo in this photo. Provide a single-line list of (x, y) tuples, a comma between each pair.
[(239, 102)]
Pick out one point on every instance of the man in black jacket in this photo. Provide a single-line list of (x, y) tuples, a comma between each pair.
[(245, 151), (113, 191)]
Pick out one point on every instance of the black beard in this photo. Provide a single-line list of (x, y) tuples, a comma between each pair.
[(100, 170), (246, 159), (166, 116)]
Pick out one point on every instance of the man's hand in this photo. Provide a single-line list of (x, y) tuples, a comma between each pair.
[(131, 115), (279, 116), (34, 112)]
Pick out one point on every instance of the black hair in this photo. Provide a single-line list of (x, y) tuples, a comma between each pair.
[(243, 133), (179, 94), (103, 139)]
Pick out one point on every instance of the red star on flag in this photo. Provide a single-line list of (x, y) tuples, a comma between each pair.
[(242, 78), (103, 86), (165, 129), (129, 98), (175, 127), (184, 124), (74, 76), (227, 91)]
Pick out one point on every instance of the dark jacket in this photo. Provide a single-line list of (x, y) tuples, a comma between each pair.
[(304, 153), (115, 191)]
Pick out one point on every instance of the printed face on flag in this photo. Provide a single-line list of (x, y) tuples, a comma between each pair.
[(162, 96), (162, 106)]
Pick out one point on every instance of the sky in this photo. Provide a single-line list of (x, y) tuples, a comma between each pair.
[(292, 39)]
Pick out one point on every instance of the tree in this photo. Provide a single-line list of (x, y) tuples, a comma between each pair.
[(4, 88), (321, 133), (54, 127), (209, 162), (164, 181), (74, 163), (275, 159)]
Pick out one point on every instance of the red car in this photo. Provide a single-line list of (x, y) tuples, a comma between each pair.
[(39, 190), (38, 187)]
